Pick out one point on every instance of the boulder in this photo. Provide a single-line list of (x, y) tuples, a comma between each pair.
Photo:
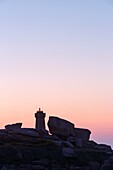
[(24, 167), (68, 153), (107, 167), (52, 137), (83, 134), (58, 143), (103, 147), (3, 168), (68, 144), (91, 144), (13, 126), (38, 167), (27, 132), (75, 141), (19, 135), (18, 156), (79, 143), (42, 162), (87, 168), (94, 165), (77, 168), (110, 159), (60, 127)]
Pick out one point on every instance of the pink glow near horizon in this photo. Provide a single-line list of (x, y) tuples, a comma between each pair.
[(57, 56)]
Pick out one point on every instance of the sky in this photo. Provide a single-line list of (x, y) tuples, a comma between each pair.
[(58, 55)]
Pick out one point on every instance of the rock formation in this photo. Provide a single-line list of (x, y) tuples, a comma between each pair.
[(66, 147), (83, 134), (60, 127), (13, 126)]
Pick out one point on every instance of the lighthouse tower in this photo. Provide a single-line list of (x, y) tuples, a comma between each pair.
[(40, 120)]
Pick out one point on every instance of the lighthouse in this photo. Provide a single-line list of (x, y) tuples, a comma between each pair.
[(40, 120)]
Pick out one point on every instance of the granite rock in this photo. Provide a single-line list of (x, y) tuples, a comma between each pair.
[(13, 126), (60, 127), (68, 153), (83, 134)]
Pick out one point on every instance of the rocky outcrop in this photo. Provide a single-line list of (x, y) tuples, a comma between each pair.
[(60, 127), (65, 148), (27, 135), (27, 132), (75, 141), (107, 167), (83, 134), (68, 153), (107, 148), (13, 126), (94, 165)]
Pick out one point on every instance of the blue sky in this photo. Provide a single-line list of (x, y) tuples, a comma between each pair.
[(57, 54)]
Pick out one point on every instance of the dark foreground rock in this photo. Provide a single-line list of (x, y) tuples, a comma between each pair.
[(47, 155), (13, 126), (66, 148), (60, 127), (83, 134)]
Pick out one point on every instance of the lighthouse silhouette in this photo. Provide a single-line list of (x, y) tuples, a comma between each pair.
[(40, 120)]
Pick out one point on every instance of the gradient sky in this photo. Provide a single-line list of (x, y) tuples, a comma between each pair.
[(58, 55)]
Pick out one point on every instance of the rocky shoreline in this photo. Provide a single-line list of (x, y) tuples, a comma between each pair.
[(63, 147)]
